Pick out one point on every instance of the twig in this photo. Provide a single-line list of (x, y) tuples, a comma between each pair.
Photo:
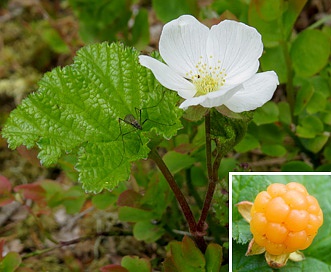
[(61, 244)]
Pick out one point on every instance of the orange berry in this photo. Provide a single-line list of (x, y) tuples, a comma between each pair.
[(274, 248), (297, 220), (261, 200), (276, 189), (296, 239), (313, 205), (277, 210), (297, 187), (296, 199), (259, 223), (276, 232), (285, 218)]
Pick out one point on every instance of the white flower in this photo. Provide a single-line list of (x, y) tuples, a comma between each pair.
[(213, 67)]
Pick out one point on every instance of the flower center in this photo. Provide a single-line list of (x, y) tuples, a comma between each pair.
[(207, 78)]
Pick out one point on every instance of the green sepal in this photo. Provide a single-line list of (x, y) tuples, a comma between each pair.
[(228, 130)]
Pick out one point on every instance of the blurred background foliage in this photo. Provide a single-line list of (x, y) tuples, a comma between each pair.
[(289, 133)]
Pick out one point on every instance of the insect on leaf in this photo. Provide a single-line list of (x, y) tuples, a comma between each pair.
[(77, 110)]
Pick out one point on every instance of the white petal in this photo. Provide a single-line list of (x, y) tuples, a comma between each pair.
[(213, 99), (192, 102), (238, 47), (183, 43), (254, 92), (218, 98), (168, 78)]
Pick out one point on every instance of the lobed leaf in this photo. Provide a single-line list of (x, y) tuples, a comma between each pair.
[(77, 110)]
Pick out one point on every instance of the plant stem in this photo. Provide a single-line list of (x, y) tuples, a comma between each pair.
[(208, 147), (290, 94), (212, 176), (154, 155)]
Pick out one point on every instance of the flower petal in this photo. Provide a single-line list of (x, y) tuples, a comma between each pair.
[(254, 92), (192, 102), (218, 98), (213, 99), (183, 43), (238, 47), (168, 78)]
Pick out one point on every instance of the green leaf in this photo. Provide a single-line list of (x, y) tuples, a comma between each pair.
[(176, 161), (136, 264), (242, 263), (319, 99), (266, 114), (309, 127), (268, 133), (284, 113), (171, 9), (130, 214), (77, 110), (269, 10), (273, 59), (275, 150), (140, 30), (270, 30), (304, 95), (237, 7), (296, 166), (310, 52), (317, 103), (228, 165), (198, 176), (51, 37), (214, 257), (10, 262), (104, 200), (147, 231), (102, 20), (240, 231), (248, 143), (316, 144), (54, 193), (73, 199), (327, 152), (185, 257), (292, 9), (191, 253)]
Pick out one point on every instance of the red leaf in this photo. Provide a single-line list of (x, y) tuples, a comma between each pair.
[(2, 243), (32, 191), (5, 185), (129, 198), (6, 196)]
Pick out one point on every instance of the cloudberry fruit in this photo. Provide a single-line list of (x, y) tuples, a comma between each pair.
[(285, 218)]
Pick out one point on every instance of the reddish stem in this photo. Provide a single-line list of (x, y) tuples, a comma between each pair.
[(154, 155)]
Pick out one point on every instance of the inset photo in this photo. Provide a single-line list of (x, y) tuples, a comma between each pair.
[(280, 220)]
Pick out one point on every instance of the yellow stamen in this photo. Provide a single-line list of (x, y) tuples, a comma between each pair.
[(206, 78)]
